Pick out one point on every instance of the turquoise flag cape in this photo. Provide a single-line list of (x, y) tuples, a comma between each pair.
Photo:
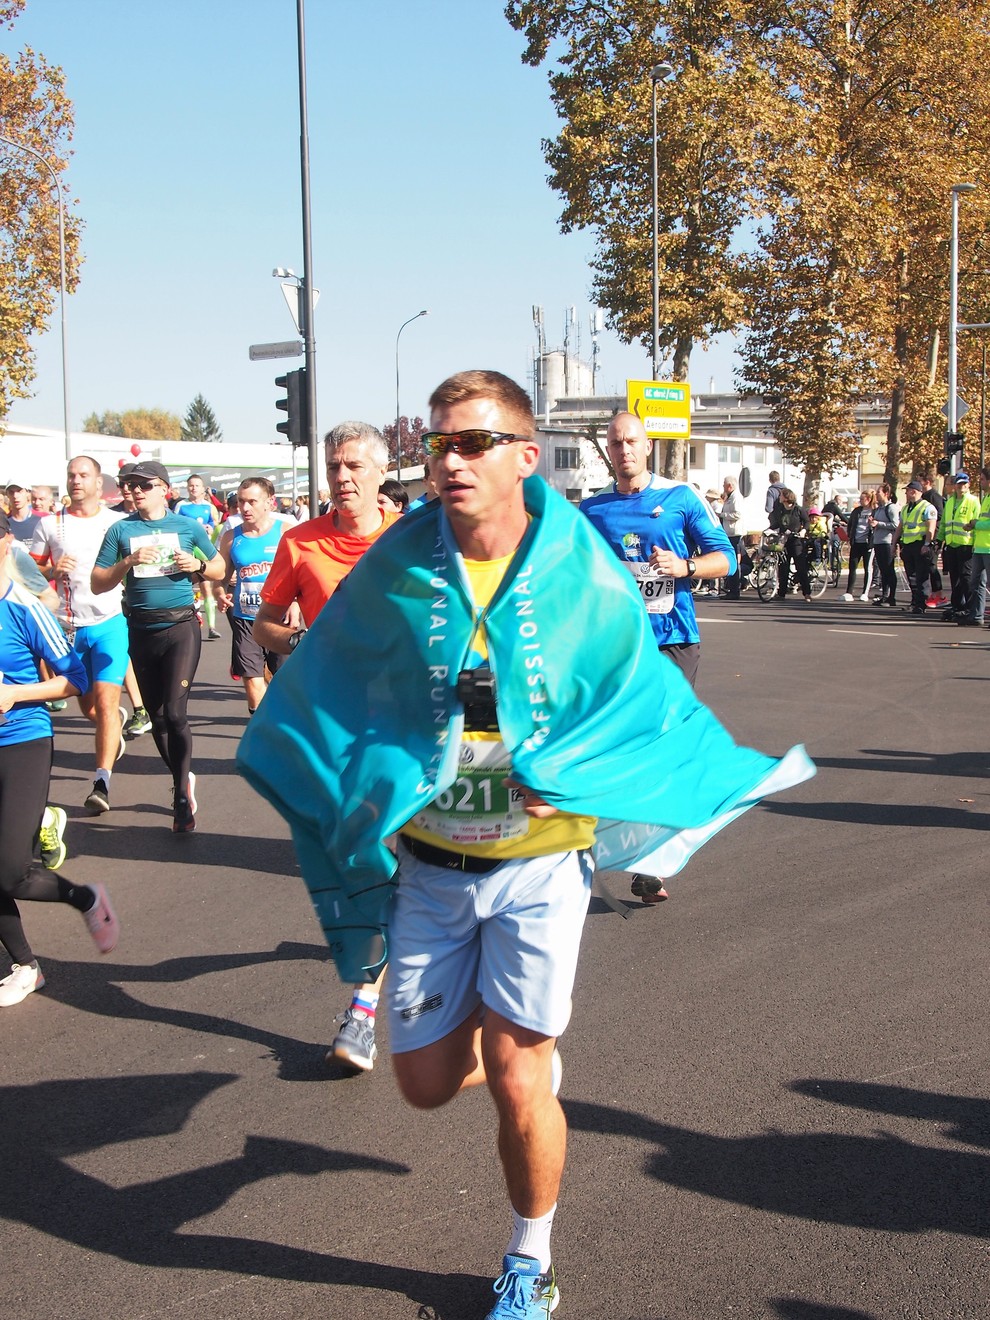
[(361, 727)]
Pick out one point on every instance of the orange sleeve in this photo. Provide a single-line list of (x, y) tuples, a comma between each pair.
[(280, 587)]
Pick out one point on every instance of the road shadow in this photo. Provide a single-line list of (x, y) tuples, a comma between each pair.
[(879, 1182), (49, 1123), (794, 1308), (117, 839), (968, 1117), (90, 987), (917, 816), (969, 765)]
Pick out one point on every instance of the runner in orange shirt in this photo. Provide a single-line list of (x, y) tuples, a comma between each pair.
[(311, 561)]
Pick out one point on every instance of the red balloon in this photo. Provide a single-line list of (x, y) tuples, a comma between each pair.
[(135, 450), (121, 462)]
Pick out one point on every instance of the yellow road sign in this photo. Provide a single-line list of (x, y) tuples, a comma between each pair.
[(664, 407)]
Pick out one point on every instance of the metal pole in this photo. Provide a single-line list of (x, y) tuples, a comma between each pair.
[(398, 441), (656, 239), (61, 285), (658, 73), (953, 316), (983, 408), (306, 301)]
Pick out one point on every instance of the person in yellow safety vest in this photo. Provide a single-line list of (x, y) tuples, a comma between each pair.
[(916, 534), (981, 555), (955, 531)]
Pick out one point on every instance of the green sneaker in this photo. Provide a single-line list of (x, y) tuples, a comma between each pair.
[(50, 837)]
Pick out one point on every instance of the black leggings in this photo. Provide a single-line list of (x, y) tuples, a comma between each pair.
[(24, 771), (165, 663), (883, 556), (859, 553)]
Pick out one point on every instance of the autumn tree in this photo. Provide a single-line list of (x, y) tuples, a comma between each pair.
[(601, 161), (36, 117), (410, 438), (136, 424), (200, 423), (841, 297)]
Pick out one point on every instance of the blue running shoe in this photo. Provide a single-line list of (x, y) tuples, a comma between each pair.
[(523, 1292)]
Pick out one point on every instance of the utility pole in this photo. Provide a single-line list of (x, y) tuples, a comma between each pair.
[(306, 289)]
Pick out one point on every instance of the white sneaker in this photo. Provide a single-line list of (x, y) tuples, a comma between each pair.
[(847, 596), (865, 596), (19, 984)]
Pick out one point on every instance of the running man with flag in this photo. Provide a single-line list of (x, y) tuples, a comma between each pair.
[(454, 691)]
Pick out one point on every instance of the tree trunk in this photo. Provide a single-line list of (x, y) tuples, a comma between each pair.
[(811, 495)]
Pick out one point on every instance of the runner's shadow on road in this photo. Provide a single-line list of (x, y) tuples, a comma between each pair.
[(878, 1182), (970, 765), (121, 841), (915, 817), (50, 1123), (793, 1308), (90, 988), (968, 1117)]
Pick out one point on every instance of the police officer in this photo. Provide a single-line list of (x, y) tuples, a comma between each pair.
[(916, 535), (981, 556), (955, 531)]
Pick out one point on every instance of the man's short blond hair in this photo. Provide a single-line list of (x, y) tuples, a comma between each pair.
[(468, 385)]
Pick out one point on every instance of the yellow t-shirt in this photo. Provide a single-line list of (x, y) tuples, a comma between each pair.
[(479, 815)]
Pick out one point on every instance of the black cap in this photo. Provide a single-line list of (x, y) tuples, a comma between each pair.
[(914, 485), (147, 470)]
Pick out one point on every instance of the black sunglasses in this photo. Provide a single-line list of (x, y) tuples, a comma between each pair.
[(466, 442), (138, 485)]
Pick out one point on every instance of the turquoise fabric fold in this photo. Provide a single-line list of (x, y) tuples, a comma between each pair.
[(360, 728)]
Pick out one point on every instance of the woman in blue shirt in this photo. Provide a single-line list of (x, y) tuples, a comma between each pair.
[(28, 635)]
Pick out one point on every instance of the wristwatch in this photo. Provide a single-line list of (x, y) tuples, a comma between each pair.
[(296, 638), (690, 567)]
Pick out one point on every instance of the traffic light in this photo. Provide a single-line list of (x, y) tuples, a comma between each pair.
[(953, 442), (294, 428)]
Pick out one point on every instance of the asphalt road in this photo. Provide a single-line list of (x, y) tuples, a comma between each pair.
[(775, 1082)]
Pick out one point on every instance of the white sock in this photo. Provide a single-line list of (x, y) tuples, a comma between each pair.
[(531, 1237), (104, 775)]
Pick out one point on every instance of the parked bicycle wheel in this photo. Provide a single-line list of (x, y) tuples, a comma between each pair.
[(818, 578), (766, 575), (834, 564)]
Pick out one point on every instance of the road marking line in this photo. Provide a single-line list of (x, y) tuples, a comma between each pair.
[(861, 632)]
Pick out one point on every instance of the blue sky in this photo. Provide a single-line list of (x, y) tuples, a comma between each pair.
[(428, 190)]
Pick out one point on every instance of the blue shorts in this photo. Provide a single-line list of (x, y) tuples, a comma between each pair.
[(508, 939), (102, 647)]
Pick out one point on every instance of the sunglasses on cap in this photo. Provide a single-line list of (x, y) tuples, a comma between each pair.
[(466, 442), (138, 483)]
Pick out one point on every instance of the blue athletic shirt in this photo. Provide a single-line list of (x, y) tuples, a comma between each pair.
[(252, 558), (205, 514), (158, 586), (29, 633), (673, 516)]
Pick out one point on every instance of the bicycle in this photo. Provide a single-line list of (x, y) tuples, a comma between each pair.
[(767, 572), (833, 558)]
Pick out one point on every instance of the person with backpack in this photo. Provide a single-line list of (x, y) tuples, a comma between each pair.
[(883, 524)]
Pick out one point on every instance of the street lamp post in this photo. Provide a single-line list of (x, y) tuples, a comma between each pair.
[(951, 403), (398, 444), (658, 74), (21, 146)]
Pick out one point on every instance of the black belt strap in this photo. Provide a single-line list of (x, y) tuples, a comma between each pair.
[(450, 861)]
